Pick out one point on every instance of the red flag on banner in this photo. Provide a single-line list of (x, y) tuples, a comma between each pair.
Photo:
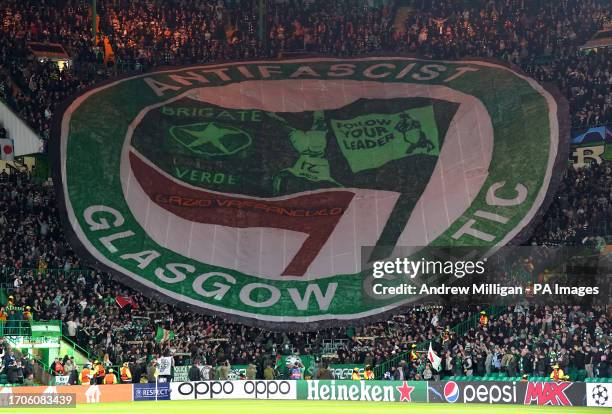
[(7, 149), (314, 214), (124, 301)]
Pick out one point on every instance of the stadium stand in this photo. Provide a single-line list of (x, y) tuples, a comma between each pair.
[(115, 324)]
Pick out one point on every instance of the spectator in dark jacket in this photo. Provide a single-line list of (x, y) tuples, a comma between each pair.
[(194, 373)]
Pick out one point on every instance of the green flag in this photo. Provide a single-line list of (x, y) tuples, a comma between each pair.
[(163, 335), (372, 140)]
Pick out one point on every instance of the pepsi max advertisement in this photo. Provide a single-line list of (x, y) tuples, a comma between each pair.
[(151, 392), (498, 392)]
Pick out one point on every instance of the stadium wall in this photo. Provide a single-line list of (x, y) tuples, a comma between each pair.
[(446, 392)]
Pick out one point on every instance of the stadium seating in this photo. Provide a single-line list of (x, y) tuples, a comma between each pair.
[(39, 267)]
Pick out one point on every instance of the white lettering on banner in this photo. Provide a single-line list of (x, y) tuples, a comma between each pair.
[(176, 82), (248, 390), (143, 259), (357, 391), (490, 393), (245, 295), (215, 285), (493, 200), (218, 293), (102, 223), (181, 374), (323, 300)]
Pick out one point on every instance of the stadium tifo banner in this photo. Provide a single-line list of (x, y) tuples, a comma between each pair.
[(212, 390), (500, 392), (398, 391), (248, 189), (85, 394)]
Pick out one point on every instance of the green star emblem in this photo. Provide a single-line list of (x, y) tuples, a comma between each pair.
[(211, 139)]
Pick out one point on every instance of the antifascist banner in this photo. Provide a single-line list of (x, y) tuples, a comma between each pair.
[(248, 189), (508, 392), (342, 390)]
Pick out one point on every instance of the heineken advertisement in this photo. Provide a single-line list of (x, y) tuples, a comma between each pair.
[(342, 390), (248, 189)]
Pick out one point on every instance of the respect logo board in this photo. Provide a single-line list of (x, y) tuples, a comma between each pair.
[(343, 390), (249, 189), (211, 390), (151, 392)]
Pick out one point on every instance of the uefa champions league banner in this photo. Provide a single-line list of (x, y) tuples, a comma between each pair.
[(507, 392), (249, 189), (599, 395)]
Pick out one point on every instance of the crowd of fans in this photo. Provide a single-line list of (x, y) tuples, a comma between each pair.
[(522, 341), (582, 209), (540, 37), (17, 367)]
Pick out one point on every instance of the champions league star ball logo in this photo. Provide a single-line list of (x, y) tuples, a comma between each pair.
[(451, 392), (600, 395), (248, 190)]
